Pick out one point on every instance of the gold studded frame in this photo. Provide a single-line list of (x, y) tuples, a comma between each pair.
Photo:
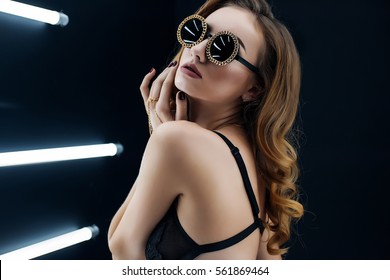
[(231, 57), (204, 30)]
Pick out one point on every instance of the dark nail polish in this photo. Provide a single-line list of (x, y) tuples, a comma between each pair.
[(173, 63), (182, 95), (151, 70)]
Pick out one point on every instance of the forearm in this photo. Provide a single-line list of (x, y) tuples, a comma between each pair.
[(119, 214), (122, 247), (125, 253)]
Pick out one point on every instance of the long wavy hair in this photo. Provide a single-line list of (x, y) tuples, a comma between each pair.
[(269, 119)]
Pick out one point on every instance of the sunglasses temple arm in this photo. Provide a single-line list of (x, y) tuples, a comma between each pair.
[(247, 64)]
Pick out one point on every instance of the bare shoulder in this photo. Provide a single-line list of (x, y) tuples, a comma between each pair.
[(183, 139), (188, 148), (176, 132), (187, 142)]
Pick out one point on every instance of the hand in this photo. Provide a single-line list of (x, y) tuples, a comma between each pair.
[(157, 98)]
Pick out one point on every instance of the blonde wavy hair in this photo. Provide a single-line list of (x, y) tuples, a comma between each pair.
[(269, 119)]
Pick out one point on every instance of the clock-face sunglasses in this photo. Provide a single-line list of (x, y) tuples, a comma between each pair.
[(222, 47)]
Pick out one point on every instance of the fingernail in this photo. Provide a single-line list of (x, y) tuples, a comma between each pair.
[(173, 63), (182, 95), (151, 70)]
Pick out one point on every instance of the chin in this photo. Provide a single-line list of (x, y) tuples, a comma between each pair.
[(183, 85), (193, 88)]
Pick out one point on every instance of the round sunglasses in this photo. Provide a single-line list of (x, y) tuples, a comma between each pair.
[(221, 48)]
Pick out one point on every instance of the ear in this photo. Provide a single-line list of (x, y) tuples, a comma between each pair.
[(251, 94)]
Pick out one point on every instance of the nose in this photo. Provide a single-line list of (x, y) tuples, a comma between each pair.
[(199, 52)]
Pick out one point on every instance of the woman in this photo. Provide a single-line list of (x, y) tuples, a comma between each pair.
[(217, 179)]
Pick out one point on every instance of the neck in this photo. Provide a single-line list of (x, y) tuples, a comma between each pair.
[(213, 115)]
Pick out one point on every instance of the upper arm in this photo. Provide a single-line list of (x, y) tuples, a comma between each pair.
[(262, 253), (160, 181)]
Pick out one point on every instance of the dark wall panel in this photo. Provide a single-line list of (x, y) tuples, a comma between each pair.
[(79, 85)]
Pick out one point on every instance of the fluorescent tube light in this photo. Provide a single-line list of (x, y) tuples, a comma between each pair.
[(59, 154), (32, 12), (53, 244)]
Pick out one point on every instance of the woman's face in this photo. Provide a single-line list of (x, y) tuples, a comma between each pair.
[(229, 83)]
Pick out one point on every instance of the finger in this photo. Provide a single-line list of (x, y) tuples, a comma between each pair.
[(163, 106), (172, 106), (155, 88), (144, 87), (168, 85), (154, 91), (181, 106)]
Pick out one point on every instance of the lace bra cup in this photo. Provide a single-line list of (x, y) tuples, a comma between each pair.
[(169, 241)]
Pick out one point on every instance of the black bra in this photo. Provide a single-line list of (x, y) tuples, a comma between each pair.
[(170, 241)]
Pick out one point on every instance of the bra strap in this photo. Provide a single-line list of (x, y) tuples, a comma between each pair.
[(241, 165), (216, 246)]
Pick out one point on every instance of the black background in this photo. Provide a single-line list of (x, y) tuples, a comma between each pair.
[(79, 85)]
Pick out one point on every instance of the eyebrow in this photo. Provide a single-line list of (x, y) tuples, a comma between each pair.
[(241, 43)]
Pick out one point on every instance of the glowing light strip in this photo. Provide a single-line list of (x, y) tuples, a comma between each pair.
[(32, 12), (59, 154), (53, 244)]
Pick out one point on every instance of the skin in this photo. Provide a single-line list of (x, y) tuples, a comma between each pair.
[(185, 158)]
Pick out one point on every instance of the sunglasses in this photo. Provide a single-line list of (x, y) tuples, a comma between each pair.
[(222, 47)]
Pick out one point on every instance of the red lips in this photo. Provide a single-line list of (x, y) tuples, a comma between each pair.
[(189, 69)]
